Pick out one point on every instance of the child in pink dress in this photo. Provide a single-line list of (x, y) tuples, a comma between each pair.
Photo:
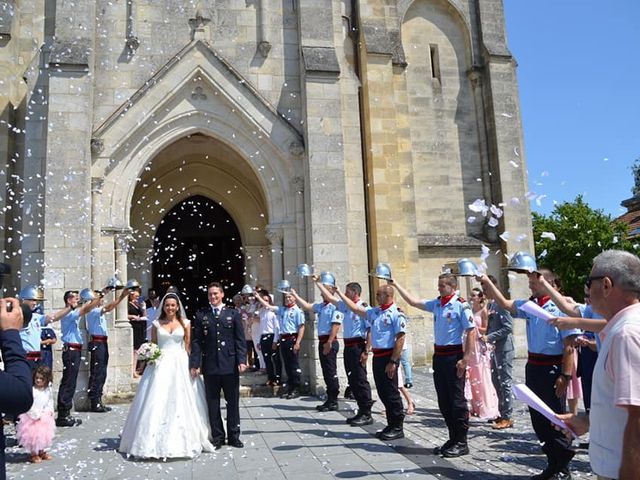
[(483, 396), (36, 428)]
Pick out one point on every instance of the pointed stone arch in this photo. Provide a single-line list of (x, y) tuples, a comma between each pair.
[(208, 98)]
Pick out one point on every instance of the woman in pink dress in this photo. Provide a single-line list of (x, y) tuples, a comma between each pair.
[(484, 400)]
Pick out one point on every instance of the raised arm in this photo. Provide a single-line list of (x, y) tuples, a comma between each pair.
[(566, 306), (116, 301), (408, 297), (327, 294), (87, 307), (495, 293), (264, 303), (351, 305), (302, 302)]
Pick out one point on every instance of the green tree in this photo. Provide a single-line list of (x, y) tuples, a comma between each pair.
[(580, 233)]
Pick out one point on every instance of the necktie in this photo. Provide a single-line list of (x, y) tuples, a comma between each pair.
[(216, 312)]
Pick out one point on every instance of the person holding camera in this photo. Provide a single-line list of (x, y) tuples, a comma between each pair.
[(16, 395)]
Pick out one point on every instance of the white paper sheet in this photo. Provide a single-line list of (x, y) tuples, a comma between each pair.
[(536, 310), (526, 395)]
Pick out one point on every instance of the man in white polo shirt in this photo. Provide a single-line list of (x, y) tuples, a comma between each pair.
[(614, 420)]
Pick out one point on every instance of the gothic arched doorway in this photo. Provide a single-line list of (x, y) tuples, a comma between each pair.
[(196, 243)]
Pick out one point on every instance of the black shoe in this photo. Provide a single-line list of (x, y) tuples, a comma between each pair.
[(100, 408), (67, 421), (322, 405), (385, 430), (443, 447), (393, 434), (456, 450), (408, 385), (365, 419), (293, 394), (236, 443), (562, 475), (547, 474), (218, 445), (329, 407), (348, 394), (355, 417), (583, 445)]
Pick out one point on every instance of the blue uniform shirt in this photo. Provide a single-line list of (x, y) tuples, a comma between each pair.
[(289, 320), (451, 320), (385, 325), (587, 312), (327, 315), (96, 322), (542, 337), (30, 335), (70, 328), (353, 325)]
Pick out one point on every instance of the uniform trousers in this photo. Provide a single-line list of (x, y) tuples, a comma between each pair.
[(357, 375), (291, 365), (47, 356), (541, 380), (329, 365), (586, 363), (450, 391), (230, 386), (388, 391), (71, 366), (271, 357), (502, 379), (97, 370)]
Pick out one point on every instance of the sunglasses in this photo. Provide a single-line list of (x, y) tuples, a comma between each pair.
[(590, 280)]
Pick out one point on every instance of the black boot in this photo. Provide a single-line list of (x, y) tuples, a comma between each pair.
[(363, 418), (99, 407), (331, 405), (66, 420), (395, 431)]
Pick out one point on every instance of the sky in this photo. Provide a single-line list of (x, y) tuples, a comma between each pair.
[(579, 80)]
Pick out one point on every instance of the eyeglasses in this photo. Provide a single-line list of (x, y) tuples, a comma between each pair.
[(590, 280)]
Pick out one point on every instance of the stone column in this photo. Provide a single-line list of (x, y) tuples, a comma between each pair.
[(251, 254), (96, 190), (505, 138), (120, 249), (274, 235)]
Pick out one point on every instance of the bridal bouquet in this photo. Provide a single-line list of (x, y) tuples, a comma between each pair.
[(149, 352)]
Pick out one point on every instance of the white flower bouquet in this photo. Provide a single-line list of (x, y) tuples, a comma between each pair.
[(149, 352)]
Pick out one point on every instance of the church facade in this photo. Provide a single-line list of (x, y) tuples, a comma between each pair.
[(182, 141)]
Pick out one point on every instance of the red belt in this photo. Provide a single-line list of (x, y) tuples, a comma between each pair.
[(382, 352), (99, 338), (287, 336), (33, 355), (73, 346), (350, 342), (544, 360), (446, 350), (323, 338)]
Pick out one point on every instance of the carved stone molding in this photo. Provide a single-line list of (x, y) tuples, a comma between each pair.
[(264, 48), (97, 146), (274, 235), (198, 94), (297, 183), (296, 149), (97, 184)]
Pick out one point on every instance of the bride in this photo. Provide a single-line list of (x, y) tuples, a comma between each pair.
[(168, 417)]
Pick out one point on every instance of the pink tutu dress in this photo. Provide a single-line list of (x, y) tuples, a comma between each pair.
[(37, 427), (479, 387)]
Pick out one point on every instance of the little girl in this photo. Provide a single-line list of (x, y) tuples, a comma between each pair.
[(36, 427)]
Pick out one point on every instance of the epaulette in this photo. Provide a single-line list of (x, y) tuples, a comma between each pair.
[(400, 310), (461, 300), (364, 304)]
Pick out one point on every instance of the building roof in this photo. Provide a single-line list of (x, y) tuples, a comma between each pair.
[(632, 217)]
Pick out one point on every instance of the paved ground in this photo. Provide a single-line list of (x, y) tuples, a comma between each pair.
[(290, 439)]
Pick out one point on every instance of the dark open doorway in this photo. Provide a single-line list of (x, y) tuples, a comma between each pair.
[(196, 243)]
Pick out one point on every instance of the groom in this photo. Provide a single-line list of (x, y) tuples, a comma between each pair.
[(218, 348)]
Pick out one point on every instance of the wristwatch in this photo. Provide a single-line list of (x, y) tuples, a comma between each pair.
[(566, 376), (395, 362)]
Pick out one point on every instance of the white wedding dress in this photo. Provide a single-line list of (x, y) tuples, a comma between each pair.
[(168, 417)]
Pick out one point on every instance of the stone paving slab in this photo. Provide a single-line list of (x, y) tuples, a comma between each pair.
[(289, 439)]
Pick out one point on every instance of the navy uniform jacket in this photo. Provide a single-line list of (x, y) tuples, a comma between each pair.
[(16, 395), (218, 346)]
